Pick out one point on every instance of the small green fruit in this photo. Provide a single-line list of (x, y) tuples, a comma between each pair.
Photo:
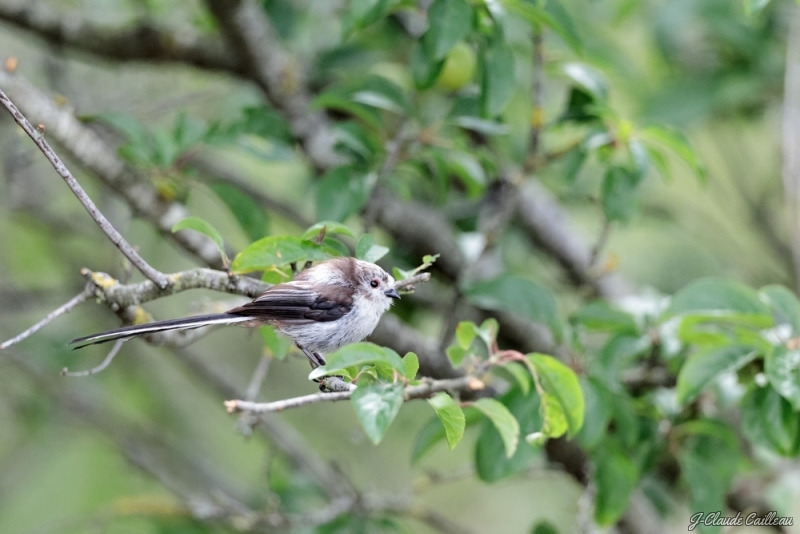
[(458, 68)]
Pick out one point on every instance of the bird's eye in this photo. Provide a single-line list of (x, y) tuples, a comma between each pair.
[(375, 282)]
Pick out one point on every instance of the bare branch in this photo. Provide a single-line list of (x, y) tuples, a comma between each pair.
[(61, 310), (464, 383), (408, 283), (77, 190), (140, 42), (600, 244)]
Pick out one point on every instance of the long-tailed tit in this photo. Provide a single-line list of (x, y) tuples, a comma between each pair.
[(332, 304)]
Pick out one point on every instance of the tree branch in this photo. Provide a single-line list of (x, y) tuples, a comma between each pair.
[(547, 225), (251, 36), (469, 382), (141, 42), (77, 190)]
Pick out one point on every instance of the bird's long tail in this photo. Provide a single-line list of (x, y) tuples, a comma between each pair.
[(160, 326)]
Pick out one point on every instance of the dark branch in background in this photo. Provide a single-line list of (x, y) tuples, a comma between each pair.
[(77, 190), (141, 42), (250, 35), (94, 154), (547, 225)]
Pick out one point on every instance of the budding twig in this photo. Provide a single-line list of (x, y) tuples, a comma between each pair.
[(37, 135)]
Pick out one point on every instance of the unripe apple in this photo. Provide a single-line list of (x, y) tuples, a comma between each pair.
[(458, 68)]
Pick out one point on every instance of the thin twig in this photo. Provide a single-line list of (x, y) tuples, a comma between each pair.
[(537, 96), (600, 244), (61, 310), (408, 283), (105, 363), (394, 147), (259, 375), (94, 212), (469, 382)]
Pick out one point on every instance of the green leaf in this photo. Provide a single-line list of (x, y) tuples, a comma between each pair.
[(769, 420), (342, 102), (544, 527), (588, 79), (367, 250), (562, 384), (705, 366), (518, 373), (468, 169), (754, 7), (615, 477), (554, 420), (466, 331), (552, 15), (248, 213), (708, 465), (782, 367), (482, 126), (456, 354), (491, 463), (424, 69), (330, 227), (516, 295), (356, 355), (784, 304), (451, 416), (278, 345), (277, 251), (410, 365), (721, 295), (379, 92), (677, 143), (618, 193), (432, 433), (376, 406), (600, 316), (341, 193), (499, 80), (599, 409), (502, 419), (366, 12), (449, 21), (199, 225)]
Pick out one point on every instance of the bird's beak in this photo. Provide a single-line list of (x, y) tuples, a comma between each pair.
[(392, 293)]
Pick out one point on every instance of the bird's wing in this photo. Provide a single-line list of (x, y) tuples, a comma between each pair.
[(297, 303)]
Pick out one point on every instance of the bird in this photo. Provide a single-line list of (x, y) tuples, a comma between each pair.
[(332, 304)]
